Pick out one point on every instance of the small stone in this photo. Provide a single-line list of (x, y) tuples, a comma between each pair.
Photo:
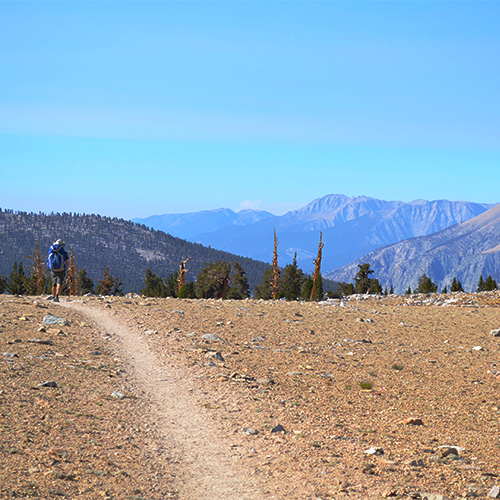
[(55, 320), (294, 374), (177, 312), (212, 336), (95, 353), (10, 355), (374, 450), (432, 496), (117, 395), (446, 451), (278, 428), (151, 332), (49, 383), (495, 491), (495, 333), (478, 348), (417, 463), (265, 381), (41, 341), (413, 421), (251, 432)]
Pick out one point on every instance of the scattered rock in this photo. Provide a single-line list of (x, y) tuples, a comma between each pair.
[(374, 450), (10, 355), (495, 491), (278, 428), (55, 320), (265, 381), (478, 348), (251, 432), (294, 374), (446, 451), (117, 395), (177, 312), (41, 341), (433, 496), (48, 383), (151, 332), (413, 421), (212, 336), (495, 333), (417, 463)]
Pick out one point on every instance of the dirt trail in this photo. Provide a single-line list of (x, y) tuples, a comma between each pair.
[(208, 467)]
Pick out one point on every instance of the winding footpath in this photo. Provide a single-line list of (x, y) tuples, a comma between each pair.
[(209, 468)]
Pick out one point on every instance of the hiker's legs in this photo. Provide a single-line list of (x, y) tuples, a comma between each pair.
[(57, 283)]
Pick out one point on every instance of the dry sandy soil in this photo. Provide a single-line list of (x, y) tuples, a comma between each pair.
[(354, 400)]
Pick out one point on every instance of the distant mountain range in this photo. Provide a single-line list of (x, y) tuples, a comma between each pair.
[(128, 248), (466, 251), (351, 227)]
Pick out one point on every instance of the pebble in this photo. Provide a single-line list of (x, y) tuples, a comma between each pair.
[(55, 320), (278, 428), (374, 450), (495, 333), (41, 341), (265, 381), (48, 383), (417, 463), (211, 336), (177, 312), (413, 421), (117, 395), (250, 431), (10, 355), (495, 491)]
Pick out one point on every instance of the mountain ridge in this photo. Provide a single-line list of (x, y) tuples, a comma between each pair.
[(465, 251), (351, 227)]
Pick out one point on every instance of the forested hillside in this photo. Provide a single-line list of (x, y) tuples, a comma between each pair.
[(127, 248)]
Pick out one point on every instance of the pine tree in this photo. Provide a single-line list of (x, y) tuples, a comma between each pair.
[(444, 290), (456, 286), (426, 285), (212, 281), (391, 291), (265, 289), (408, 291), (85, 283), (154, 286), (105, 285), (306, 289), (362, 279), (346, 289), (490, 284), (172, 285), (3, 284), (239, 284), (291, 280), (481, 284), (17, 280)]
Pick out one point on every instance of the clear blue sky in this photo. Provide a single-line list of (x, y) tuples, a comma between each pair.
[(131, 109)]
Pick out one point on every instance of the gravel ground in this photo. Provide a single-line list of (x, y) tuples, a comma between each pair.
[(391, 397)]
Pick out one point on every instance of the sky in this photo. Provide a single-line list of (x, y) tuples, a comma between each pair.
[(130, 109)]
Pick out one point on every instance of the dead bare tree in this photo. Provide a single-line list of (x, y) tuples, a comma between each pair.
[(37, 274), (317, 264), (276, 271), (182, 274), (73, 275)]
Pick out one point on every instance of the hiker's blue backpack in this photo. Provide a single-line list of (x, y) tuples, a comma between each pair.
[(55, 262)]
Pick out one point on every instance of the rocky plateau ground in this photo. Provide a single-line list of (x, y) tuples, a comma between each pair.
[(368, 397)]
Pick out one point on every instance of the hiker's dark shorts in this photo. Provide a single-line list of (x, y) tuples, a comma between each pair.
[(58, 277)]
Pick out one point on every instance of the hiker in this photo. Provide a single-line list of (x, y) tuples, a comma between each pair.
[(58, 262)]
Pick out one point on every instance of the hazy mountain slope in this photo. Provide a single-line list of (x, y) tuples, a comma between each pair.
[(466, 251), (128, 248), (351, 228), (190, 225)]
